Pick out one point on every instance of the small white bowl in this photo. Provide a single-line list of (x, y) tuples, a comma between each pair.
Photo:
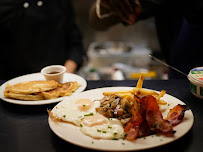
[(196, 81), (54, 72)]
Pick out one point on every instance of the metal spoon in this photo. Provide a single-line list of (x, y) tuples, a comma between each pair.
[(168, 65)]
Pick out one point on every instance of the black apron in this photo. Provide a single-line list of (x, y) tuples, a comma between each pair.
[(35, 34)]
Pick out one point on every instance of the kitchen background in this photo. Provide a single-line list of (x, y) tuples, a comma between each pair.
[(121, 52)]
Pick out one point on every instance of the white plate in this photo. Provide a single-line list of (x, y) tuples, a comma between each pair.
[(72, 134), (68, 77)]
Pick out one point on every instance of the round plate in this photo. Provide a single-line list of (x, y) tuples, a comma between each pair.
[(68, 77), (72, 134)]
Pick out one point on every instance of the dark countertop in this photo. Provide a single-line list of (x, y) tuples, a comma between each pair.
[(25, 128)]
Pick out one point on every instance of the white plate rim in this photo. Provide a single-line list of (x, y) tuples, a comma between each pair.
[(38, 76), (99, 144)]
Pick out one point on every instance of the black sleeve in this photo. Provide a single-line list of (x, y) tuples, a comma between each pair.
[(150, 8), (7, 12), (75, 50), (192, 10)]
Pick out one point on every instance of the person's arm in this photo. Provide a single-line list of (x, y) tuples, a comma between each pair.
[(124, 11), (127, 12), (191, 10)]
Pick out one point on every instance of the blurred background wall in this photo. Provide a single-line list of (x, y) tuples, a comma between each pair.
[(142, 33)]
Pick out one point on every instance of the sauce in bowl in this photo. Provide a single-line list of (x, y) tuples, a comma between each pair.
[(54, 72)]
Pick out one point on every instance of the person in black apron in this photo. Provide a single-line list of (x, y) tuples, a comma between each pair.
[(179, 26), (38, 33)]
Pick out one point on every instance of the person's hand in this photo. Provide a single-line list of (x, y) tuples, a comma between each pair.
[(127, 10), (71, 66)]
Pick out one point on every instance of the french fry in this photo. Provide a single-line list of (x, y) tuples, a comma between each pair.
[(161, 94), (139, 91), (161, 102), (118, 92), (128, 96), (140, 82)]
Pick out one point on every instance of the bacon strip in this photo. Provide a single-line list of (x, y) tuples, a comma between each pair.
[(176, 115), (148, 119), (154, 117)]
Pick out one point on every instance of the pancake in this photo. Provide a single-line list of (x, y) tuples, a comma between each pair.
[(30, 87), (29, 97), (40, 90), (65, 90)]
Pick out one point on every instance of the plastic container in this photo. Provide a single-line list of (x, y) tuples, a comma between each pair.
[(117, 75), (93, 74), (196, 81), (105, 54), (141, 57)]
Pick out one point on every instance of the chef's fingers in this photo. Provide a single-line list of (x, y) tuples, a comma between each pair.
[(123, 10)]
